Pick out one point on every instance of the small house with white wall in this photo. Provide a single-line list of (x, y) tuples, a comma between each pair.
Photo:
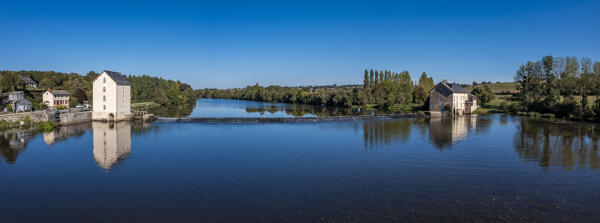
[(111, 97), (17, 101), (29, 83), (448, 97), (55, 98)]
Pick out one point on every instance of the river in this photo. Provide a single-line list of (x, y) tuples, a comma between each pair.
[(495, 168)]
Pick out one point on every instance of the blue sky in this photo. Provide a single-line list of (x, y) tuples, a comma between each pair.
[(237, 43)]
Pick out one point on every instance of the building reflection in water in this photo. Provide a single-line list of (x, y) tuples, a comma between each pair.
[(570, 145), (65, 132), (13, 142), (444, 132), (112, 143)]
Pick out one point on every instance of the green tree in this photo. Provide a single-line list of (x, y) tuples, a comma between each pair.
[(550, 79), (420, 95), (11, 81), (366, 79), (79, 95), (371, 78), (484, 94), (426, 82)]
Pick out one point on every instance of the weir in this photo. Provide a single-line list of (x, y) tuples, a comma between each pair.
[(286, 119)]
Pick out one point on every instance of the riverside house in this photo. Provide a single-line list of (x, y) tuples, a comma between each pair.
[(111, 97), (448, 97), (16, 99), (29, 83), (55, 98)]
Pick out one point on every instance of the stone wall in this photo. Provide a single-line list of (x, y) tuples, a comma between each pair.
[(36, 116), (75, 117)]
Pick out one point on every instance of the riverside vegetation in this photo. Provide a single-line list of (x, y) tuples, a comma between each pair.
[(173, 96), (554, 87), (382, 91)]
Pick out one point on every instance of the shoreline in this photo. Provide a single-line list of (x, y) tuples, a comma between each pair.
[(286, 119)]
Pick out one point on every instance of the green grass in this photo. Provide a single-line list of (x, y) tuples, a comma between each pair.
[(144, 104), (500, 104)]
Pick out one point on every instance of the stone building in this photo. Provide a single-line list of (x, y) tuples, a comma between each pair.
[(55, 98), (16, 99), (111, 97), (447, 97), (29, 83)]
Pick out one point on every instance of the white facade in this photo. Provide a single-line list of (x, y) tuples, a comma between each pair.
[(111, 97), (54, 98)]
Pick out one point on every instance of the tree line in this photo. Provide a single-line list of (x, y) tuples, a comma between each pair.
[(384, 90), (143, 88), (565, 86)]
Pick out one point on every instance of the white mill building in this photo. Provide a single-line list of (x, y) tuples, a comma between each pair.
[(111, 97)]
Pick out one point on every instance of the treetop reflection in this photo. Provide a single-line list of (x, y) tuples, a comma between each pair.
[(569, 145)]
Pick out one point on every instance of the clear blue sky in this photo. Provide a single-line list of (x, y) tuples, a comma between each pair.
[(234, 44)]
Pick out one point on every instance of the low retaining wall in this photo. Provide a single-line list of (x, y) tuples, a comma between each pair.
[(75, 117), (36, 116), (286, 120)]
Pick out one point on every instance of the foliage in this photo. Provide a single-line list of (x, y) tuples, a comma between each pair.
[(79, 95), (385, 90), (484, 94), (165, 92), (11, 81), (559, 86), (45, 126), (143, 88)]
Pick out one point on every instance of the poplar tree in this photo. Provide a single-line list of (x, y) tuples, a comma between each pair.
[(371, 78), (366, 79)]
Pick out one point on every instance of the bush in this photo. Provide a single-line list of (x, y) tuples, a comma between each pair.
[(516, 108), (421, 113), (534, 114), (27, 120), (549, 116), (45, 126)]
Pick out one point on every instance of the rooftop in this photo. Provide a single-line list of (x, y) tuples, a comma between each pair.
[(117, 77)]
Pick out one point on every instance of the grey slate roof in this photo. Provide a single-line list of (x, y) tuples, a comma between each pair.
[(450, 88), (28, 80), (455, 88), (22, 100), (59, 92), (117, 77)]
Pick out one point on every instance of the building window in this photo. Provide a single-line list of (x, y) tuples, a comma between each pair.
[(104, 106), (440, 98), (103, 97), (103, 89), (104, 80)]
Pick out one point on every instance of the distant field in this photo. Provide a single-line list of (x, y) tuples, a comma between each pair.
[(498, 87)]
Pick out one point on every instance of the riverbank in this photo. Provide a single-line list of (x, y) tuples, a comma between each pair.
[(287, 119)]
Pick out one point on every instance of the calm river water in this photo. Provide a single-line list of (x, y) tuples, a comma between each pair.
[(469, 169)]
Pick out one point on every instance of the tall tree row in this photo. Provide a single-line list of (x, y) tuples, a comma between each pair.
[(564, 86)]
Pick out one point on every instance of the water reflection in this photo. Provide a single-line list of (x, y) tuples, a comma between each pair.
[(444, 132), (112, 143), (241, 108), (64, 133), (13, 142), (569, 145)]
